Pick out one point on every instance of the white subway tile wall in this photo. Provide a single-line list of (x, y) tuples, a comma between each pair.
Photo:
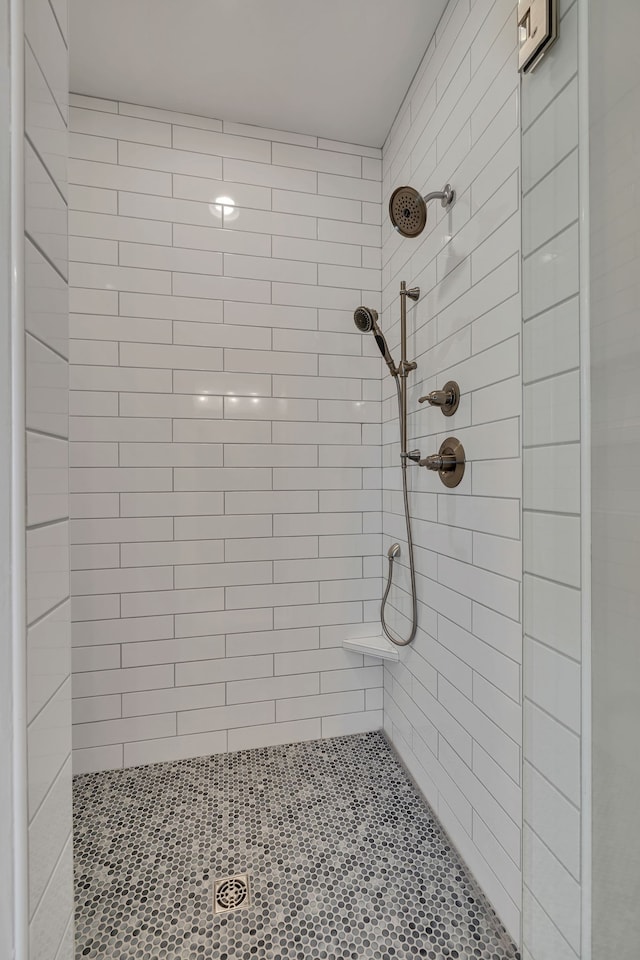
[(452, 704), (552, 868), (225, 439), (48, 652)]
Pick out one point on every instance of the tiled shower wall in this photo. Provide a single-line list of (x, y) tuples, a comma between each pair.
[(452, 703), (225, 456), (47, 553), (552, 801)]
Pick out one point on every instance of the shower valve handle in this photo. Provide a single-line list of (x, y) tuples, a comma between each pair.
[(448, 462), (437, 462), (447, 399)]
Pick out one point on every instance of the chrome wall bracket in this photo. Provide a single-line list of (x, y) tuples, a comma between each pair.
[(449, 462), (447, 399)]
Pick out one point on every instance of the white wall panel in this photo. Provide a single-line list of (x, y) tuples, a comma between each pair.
[(203, 435), (453, 702)]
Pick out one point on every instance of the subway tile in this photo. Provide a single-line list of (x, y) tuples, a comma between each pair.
[(222, 241), (553, 818), (267, 408), (156, 603), (220, 145), (49, 48), (103, 682), (282, 641), (104, 124), (122, 631), (172, 699), (314, 205), (48, 658), (100, 276), (117, 530), (551, 137), (270, 455), (167, 116), (170, 504), (306, 158), (554, 888), (488, 734), (150, 157), (553, 750), (240, 621), (268, 315), (169, 258), (104, 429), (552, 682), (262, 221), (92, 199), (44, 124), (265, 133), (121, 581), (94, 556), (223, 670), (167, 749), (47, 562), (84, 146), (266, 735), (93, 759), (265, 174), (89, 709), (222, 574), (273, 688), (283, 594), (45, 211), (104, 479), (90, 250), (170, 308), (46, 301), (323, 705), (112, 176), (150, 407), (552, 547), (124, 730), (266, 268), (108, 227)]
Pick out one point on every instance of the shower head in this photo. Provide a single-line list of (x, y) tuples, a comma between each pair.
[(366, 320), (408, 208)]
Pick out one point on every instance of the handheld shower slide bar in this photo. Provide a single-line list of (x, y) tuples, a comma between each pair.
[(366, 320)]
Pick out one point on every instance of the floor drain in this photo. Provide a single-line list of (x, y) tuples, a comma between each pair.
[(230, 893)]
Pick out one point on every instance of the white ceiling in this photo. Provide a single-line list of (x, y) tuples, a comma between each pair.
[(332, 68)]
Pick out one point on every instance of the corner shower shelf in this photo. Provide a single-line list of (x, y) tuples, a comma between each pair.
[(377, 646)]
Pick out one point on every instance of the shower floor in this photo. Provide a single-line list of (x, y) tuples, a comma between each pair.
[(344, 857)]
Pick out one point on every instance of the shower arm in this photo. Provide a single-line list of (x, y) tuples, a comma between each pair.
[(445, 196)]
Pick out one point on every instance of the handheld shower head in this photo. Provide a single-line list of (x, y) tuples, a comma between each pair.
[(366, 320), (408, 208)]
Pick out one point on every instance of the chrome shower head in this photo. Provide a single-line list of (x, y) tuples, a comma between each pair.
[(366, 320), (408, 208)]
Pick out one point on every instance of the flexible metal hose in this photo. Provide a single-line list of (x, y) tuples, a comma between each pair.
[(414, 601)]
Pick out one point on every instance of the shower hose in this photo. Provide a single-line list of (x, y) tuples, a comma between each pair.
[(394, 551)]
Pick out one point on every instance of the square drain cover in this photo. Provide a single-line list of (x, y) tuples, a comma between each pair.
[(231, 893)]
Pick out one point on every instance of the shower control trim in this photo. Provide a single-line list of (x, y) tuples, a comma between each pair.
[(447, 399), (449, 462)]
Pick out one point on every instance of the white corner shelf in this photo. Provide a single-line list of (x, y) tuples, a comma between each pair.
[(376, 646)]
